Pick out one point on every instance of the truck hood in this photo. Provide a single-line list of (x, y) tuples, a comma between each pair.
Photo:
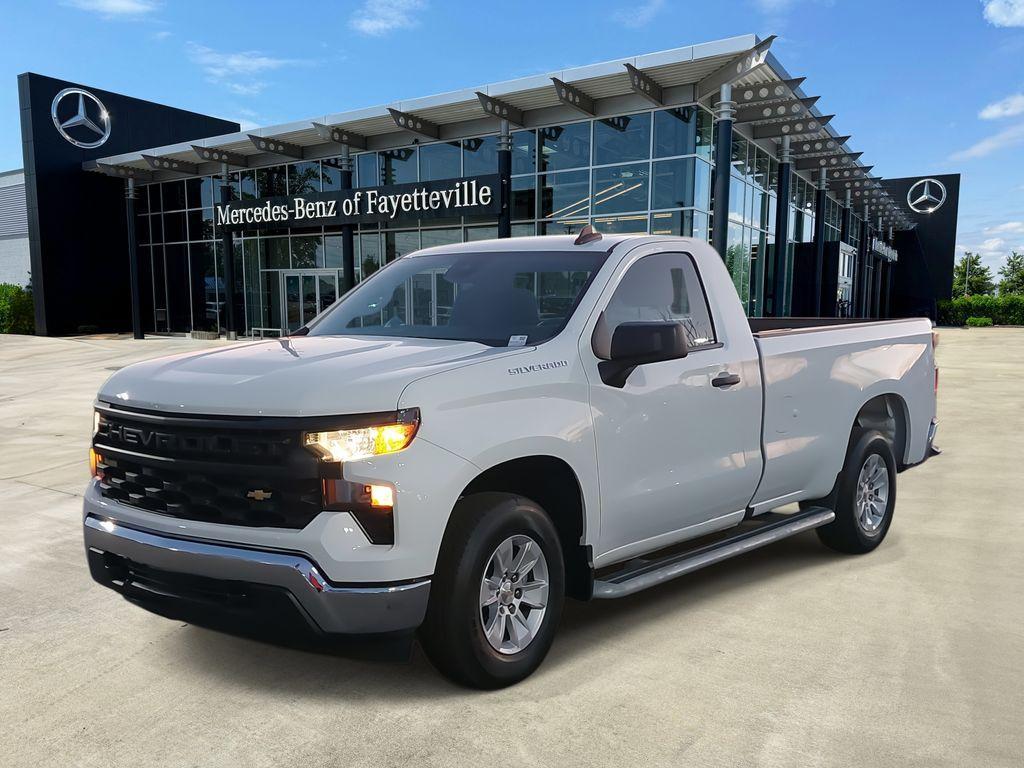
[(296, 376)]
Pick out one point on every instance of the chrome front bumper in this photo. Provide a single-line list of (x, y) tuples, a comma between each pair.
[(126, 558)]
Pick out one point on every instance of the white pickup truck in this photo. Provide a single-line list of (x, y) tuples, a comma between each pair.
[(479, 430)]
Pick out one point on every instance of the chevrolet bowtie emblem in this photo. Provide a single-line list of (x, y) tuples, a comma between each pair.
[(259, 495)]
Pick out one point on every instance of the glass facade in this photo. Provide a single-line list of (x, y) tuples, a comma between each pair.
[(646, 171)]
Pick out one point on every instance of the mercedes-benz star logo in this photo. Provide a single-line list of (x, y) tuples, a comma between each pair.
[(80, 118), (926, 196)]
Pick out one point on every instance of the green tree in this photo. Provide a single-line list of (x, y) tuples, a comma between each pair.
[(971, 277), (1012, 273)]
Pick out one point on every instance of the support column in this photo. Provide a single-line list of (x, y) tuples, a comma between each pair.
[(819, 238), (133, 259), (782, 195), (228, 249), (863, 253), (724, 114), (876, 282), (505, 175), (348, 238)]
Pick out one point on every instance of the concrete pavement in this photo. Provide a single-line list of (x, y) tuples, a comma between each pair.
[(792, 655)]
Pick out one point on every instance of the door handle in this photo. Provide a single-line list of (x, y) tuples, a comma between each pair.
[(725, 380)]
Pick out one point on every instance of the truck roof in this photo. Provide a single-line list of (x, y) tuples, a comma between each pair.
[(549, 243)]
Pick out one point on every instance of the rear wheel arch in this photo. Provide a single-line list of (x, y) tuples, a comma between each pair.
[(552, 484), (889, 415)]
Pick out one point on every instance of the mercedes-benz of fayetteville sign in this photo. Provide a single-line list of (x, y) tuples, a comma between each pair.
[(80, 118), (478, 195), (926, 196)]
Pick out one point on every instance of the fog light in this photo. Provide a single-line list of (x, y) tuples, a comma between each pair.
[(381, 495)]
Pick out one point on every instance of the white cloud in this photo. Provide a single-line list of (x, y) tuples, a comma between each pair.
[(116, 8), (379, 17), (238, 72), (1010, 137), (1008, 107), (163, 34), (1005, 13), (1009, 227), (773, 6), (638, 15)]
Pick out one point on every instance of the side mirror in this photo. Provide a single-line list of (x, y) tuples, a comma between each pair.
[(634, 344)]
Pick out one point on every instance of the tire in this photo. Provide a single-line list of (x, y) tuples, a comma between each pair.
[(863, 521), (485, 529)]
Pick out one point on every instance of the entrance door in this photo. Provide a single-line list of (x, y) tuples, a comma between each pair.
[(305, 294)]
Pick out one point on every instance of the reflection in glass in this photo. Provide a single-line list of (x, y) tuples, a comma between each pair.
[(480, 156), (274, 253), (622, 138), (398, 166), (675, 131), (303, 178), (369, 255), (440, 161), (367, 172), (524, 152), (564, 146), (564, 195), (614, 225), (272, 181), (621, 188), (524, 197), (304, 251)]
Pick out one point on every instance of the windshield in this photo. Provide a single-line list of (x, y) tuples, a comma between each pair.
[(499, 298)]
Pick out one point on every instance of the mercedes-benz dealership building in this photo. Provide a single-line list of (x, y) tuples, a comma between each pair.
[(133, 208)]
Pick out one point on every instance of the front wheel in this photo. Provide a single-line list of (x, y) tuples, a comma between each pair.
[(866, 495), (497, 592)]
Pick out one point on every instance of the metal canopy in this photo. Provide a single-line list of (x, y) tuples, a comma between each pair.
[(740, 67), (415, 124), (645, 86), (778, 110), (825, 161), (339, 135), (170, 164), (277, 146), (800, 126), (573, 97), (216, 155), (120, 171), (500, 108), (767, 92), (820, 146)]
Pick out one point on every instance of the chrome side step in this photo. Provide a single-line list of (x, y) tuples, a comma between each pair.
[(648, 573)]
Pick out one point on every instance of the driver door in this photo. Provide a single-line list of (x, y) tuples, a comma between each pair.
[(678, 451)]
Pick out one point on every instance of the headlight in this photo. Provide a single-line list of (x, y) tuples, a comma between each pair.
[(364, 442)]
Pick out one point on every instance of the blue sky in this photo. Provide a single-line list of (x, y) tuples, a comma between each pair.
[(923, 86)]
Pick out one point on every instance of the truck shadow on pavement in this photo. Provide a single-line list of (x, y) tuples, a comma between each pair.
[(334, 671)]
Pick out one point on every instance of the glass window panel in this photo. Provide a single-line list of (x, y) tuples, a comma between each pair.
[(173, 193), (480, 156), (330, 256), (206, 290), (564, 195), (305, 250), (399, 244), (663, 286), (564, 146), (367, 172), (675, 131), (440, 161), (274, 253), (179, 301), (369, 254), (200, 224), (481, 233), (621, 188), (672, 223), (247, 185), (524, 230), (156, 228), (674, 183), (193, 197), (562, 226), (705, 134), (432, 237), (739, 155), (330, 177), (142, 230), (398, 166), (142, 199), (174, 227), (623, 138), (303, 178), (524, 196), (524, 151), (272, 181), (737, 199), (614, 225), (762, 169)]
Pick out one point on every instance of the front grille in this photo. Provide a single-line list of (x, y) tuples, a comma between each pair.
[(233, 472)]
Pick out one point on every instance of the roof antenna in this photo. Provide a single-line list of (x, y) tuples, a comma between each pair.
[(587, 235)]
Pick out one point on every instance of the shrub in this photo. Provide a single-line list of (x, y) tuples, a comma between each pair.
[(979, 322), (1001, 310), (17, 314)]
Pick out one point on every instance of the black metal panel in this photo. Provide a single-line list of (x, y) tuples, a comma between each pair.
[(77, 224)]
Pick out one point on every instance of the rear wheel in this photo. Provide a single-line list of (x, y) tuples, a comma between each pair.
[(497, 593), (865, 496)]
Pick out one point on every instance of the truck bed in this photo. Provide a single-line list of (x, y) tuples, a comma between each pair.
[(763, 326)]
